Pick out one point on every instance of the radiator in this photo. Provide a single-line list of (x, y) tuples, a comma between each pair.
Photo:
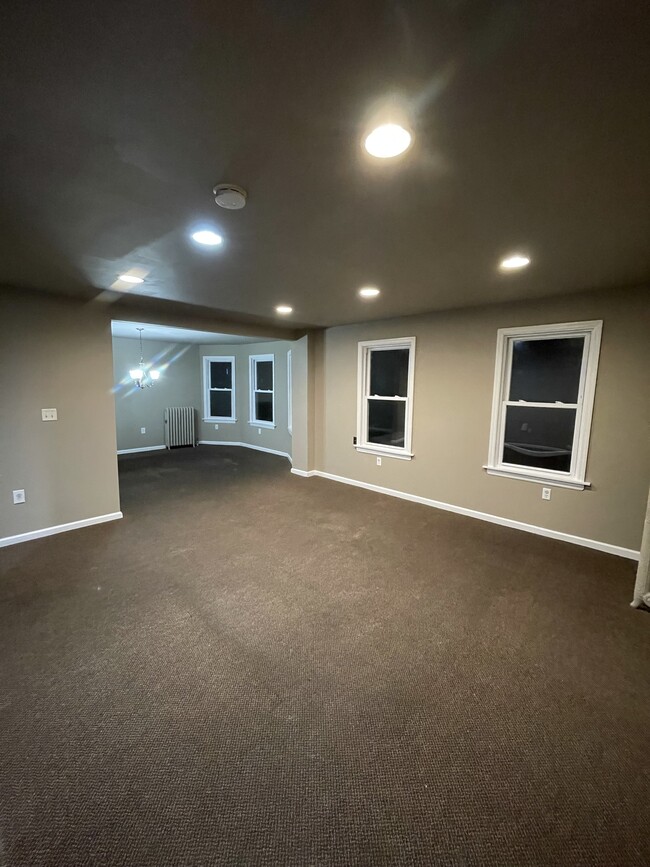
[(179, 426)]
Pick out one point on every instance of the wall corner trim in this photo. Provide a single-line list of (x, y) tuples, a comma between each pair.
[(245, 446), (142, 449), (605, 547), (59, 528)]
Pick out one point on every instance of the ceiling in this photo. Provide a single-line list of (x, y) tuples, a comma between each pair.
[(172, 334), (531, 128)]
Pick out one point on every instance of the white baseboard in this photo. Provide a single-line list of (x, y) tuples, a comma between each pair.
[(629, 553), (143, 449), (245, 446), (307, 474), (59, 528)]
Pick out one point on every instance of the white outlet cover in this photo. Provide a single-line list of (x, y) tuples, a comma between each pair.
[(216, 427), (378, 462), (259, 430), (546, 493), (19, 497), (143, 430), (49, 414)]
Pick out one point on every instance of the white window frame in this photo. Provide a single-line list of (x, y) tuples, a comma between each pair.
[(363, 396), (289, 394), (232, 418), (575, 478), (252, 382)]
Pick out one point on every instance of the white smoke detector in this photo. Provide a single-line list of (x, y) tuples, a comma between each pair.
[(229, 196)]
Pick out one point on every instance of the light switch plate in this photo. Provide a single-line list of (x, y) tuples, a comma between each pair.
[(19, 497), (49, 415)]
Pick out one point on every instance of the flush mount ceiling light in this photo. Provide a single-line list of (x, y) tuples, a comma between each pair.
[(514, 262), (207, 238), (284, 309), (387, 140), (230, 196), (141, 377), (369, 292), (131, 278)]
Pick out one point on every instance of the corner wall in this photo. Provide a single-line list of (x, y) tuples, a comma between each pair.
[(277, 438), (55, 353), (454, 373)]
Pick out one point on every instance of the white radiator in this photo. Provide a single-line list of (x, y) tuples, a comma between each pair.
[(179, 426)]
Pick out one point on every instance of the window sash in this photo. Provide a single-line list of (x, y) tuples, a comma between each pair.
[(366, 349), (254, 360), (575, 476), (208, 360)]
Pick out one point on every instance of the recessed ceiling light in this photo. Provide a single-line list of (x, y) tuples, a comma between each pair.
[(514, 262), (131, 278), (207, 238), (283, 309), (369, 292), (388, 140)]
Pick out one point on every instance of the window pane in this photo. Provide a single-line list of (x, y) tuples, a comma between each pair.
[(539, 437), (389, 371), (221, 404), (220, 374), (263, 406), (544, 371), (386, 422), (265, 375)]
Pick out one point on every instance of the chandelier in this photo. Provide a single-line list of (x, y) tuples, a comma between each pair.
[(141, 377)]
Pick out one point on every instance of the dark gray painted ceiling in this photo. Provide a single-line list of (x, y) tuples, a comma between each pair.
[(531, 121)]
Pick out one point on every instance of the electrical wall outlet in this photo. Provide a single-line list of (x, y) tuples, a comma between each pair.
[(19, 497), (378, 462), (143, 430), (546, 493), (259, 430), (48, 415), (216, 427)]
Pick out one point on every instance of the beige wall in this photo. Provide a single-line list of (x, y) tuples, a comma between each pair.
[(179, 385), (278, 438), (55, 353), (454, 372)]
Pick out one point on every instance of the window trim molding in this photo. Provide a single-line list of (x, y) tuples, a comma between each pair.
[(252, 382), (575, 479), (232, 418), (289, 393), (362, 445)]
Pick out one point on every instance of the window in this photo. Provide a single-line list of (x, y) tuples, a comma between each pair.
[(385, 389), (219, 388), (544, 387), (262, 408), (289, 393)]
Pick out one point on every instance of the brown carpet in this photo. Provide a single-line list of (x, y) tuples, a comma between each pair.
[(254, 668)]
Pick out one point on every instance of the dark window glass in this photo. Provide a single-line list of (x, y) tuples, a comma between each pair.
[(386, 422), (220, 374), (539, 437), (265, 375), (389, 372), (263, 406), (544, 371), (221, 404)]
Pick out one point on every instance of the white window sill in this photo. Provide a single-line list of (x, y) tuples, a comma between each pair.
[(385, 453), (220, 420), (268, 424), (539, 478)]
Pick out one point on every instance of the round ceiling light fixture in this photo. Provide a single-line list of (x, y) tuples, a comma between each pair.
[(514, 262), (131, 278), (230, 196), (388, 140), (369, 292), (284, 309), (207, 238)]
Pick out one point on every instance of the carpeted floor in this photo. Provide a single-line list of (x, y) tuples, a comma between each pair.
[(253, 668)]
